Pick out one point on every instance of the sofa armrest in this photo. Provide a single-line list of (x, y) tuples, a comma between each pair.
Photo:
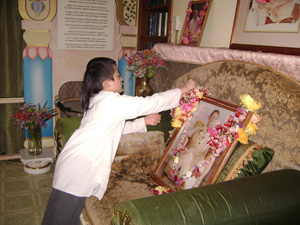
[(138, 153), (269, 198)]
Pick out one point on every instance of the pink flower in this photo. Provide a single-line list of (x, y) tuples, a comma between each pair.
[(180, 182), (255, 118), (185, 40), (263, 1), (187, 107), (212, 131)]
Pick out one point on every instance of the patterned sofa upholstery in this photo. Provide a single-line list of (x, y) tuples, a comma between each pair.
[(278, 94), (138, 154)]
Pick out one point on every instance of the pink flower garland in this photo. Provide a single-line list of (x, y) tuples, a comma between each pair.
[(220, 137), (263, 1)]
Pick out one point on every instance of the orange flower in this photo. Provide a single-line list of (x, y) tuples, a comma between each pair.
[(243, 137)]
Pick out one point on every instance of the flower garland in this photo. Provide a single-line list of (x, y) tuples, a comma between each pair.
[(161, 190), (220, 137), (188, 35), (263, 1)]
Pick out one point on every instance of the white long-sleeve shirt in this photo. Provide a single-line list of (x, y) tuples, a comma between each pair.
[(83, 167)]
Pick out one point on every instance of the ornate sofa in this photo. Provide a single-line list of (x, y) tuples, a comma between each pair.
[(138, 154)]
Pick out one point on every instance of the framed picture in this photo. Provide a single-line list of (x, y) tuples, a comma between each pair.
[(194, 24), (190, 160), (272, 26)]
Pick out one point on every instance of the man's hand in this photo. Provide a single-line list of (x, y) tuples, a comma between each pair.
[(152, 119)]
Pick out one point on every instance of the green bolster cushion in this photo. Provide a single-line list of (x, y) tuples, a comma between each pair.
[(64, 128), (268, 198), (246, 160)]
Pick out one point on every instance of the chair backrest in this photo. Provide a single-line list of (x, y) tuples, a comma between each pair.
[(69, 96)]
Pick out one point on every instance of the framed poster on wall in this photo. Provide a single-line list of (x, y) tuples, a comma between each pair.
[(267, 26)]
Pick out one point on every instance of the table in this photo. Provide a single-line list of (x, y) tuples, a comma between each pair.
[(37, 164)]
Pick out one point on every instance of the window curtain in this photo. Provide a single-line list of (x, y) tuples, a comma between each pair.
[(11, 84)]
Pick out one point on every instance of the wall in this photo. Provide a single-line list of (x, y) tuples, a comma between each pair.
[(217, 32), (69, 65)]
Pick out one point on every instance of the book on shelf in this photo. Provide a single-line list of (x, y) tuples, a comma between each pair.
[(150, 21), (157, 24), (166, 24)]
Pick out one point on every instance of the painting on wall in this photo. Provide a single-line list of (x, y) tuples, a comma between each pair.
[(195, 20), (272, 16), (267, 26)]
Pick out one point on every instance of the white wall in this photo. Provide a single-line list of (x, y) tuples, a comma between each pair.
[(70, 65), (217, 32)]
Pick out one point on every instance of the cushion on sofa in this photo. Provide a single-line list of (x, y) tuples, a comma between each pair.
[(164, 125), (64, 128), (138, 153), (246, 160)]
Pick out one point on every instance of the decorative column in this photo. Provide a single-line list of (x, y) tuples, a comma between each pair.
[(37, 56), (126, 15)]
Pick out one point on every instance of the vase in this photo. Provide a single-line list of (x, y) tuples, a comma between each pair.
[(144, 89), (34, 141)]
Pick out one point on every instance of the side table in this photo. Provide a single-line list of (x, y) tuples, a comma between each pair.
[(37, 164)]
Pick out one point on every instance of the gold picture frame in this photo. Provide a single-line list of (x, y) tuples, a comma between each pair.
[(195, 21), (197, 152)]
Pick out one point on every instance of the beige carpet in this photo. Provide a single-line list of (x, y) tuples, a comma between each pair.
[(23, 197)]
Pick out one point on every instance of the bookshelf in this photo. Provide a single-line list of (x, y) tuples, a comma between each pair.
[(155, 22)]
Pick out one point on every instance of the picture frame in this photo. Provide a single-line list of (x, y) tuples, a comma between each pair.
[(194, 23), (196, 154), (268, 37)]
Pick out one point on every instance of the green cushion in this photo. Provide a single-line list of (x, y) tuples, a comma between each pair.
[(164, 125), (246, 160), (64, 128), (268, 198)]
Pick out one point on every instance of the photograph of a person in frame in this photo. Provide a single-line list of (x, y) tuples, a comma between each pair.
[(273, 15), (197, 150), (193, 140), (194, 29), (195, 15)]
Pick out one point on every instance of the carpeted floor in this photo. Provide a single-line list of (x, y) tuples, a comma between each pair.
[(23, 197)]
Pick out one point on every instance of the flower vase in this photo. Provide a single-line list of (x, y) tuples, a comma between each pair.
[(34, 141), (144, 89)]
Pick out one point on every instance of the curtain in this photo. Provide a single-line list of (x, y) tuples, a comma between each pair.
[(11, 84)]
